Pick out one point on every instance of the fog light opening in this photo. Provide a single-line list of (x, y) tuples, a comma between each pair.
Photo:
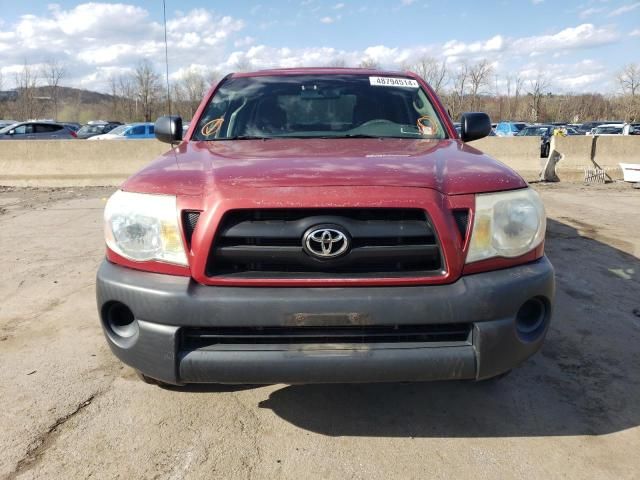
[(531, 319), (120, 320)]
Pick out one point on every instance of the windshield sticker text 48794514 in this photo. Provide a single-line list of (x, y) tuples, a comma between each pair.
[(393, 82)]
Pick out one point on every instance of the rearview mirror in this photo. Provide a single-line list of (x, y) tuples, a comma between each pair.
[(474, 125), (168, 129)]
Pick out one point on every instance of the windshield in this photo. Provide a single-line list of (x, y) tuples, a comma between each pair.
[(7, 128), (335, 106), (119, 130), (614, 130), (91, 129)]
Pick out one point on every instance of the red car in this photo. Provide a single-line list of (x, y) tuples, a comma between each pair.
[(324, 225)]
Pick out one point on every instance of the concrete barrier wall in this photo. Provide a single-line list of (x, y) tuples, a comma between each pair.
[(520, 153), (81, 163), (608, 153), (74, 162)]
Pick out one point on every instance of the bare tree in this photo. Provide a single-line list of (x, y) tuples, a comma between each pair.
[(369, 63), (192, 88), (479, 76), (536, 92), (513, 102), (243, 65), (460, 86), (337, 63), (629, 79), (148, 89), (432, 71), (26, 83), (53, 71), (127, 96), (113, 91)]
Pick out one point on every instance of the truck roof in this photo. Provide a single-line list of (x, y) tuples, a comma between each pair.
[(323, 71)]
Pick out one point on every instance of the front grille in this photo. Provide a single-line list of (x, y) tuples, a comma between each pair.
[(384, 242), (196, 338)]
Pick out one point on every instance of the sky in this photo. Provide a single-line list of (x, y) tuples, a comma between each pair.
[(578, 45)]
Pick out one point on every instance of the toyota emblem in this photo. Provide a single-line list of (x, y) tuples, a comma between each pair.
[(325, 242)]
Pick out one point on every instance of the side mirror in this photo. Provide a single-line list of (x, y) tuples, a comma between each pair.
[(168, 129), (474, 125)]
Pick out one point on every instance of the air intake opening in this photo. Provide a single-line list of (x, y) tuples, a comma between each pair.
[(189, 221), (462, 222)]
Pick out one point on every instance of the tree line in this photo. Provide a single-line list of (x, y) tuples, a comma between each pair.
[(142, 94)]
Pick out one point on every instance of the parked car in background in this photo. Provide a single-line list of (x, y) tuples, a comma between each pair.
[(96, 128), (612, 129), (6, 123), (37, 131), (509, 129), (73, 126), (131, 131), (586, 127), (543, 131)]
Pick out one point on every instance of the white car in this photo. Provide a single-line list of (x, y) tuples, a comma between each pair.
[(609, 129)]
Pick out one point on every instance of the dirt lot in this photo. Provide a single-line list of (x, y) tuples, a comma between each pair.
[(68, 409)]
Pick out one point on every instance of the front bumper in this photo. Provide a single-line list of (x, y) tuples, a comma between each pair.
[(163, 306)]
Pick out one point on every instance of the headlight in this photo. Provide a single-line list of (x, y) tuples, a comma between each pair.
[(144, 227), (506, 224)]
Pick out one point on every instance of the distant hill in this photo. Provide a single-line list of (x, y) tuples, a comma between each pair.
[(75, 95), (74, 104)]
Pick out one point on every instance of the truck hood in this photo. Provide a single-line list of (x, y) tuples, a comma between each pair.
[(449, 166)]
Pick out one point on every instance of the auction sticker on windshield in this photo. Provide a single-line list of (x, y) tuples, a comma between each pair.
[(393, 82)]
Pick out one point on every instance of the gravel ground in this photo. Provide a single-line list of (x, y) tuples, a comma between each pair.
[(69, 409)]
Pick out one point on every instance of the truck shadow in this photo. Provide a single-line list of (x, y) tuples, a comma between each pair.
[(584, 381)]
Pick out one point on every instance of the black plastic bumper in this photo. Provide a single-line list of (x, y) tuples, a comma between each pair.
[(163, 305)]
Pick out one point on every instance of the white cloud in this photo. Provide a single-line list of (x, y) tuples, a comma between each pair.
[(591, 11), (624, 9), (635, 33), (455, 48), (97, 40), (582, 36)]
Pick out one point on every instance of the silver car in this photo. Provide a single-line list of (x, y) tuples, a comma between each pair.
[(37, 131)]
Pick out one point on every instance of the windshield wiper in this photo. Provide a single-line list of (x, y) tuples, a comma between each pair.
[(242, 137), (359, 135)]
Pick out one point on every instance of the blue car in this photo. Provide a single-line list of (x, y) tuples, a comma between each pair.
[(509, 129), (130, 131)]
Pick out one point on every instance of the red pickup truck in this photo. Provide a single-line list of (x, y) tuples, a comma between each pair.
[(324, 225)]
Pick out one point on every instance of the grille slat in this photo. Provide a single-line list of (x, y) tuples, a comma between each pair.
[(268, 244), (194, 338), (291, 230)]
